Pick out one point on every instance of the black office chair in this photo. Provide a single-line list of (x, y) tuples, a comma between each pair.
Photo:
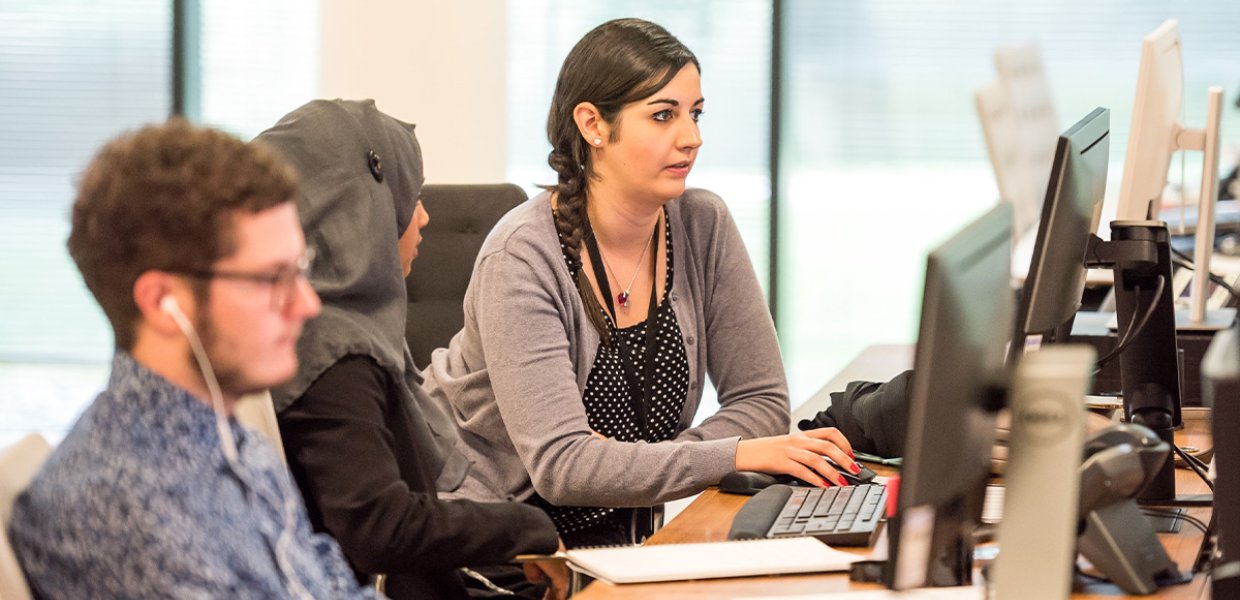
[(461, 217)]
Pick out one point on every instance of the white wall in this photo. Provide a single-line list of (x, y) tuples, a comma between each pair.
[(440, 65)]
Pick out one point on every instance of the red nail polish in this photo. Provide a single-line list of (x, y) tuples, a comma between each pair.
[(856, 469)]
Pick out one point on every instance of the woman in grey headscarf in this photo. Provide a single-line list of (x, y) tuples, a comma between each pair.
[(362, 441)]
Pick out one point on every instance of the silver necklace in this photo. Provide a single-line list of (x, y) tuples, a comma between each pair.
[(623, 297)]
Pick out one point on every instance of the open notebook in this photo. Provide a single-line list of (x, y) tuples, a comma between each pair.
[(708, 560)]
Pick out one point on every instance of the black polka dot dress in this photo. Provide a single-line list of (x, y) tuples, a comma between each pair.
[(608, 404)]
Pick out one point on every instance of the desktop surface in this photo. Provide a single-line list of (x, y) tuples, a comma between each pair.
[(709, 518)]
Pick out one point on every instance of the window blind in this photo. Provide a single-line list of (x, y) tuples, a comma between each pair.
[(72, 75)]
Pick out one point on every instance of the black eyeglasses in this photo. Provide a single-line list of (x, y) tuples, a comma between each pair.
[(283, 282)]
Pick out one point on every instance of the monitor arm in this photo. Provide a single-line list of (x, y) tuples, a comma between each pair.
[(1124, 254), (1139, 253)]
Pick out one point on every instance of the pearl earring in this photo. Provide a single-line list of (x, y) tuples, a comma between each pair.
[(598, 141)]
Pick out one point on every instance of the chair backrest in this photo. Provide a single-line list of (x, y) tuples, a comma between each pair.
[(461, 218), (257, 412), (18, 465)]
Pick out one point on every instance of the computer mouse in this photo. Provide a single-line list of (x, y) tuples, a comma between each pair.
[(746, 482), (865, 476), (752, 482)]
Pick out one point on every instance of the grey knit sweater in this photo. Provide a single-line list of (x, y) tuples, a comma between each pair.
[(513, 377)]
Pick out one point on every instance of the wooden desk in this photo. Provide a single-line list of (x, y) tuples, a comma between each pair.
[(710, 517)]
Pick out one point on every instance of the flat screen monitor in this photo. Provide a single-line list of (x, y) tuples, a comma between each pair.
[(1220, 374), (1055, 282), (1140, 257), (1155, 124), (1019, 125), (958, 375), (1156, 134)]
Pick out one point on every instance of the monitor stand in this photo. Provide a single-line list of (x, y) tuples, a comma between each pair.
[(1171, 506), (1127, 553), (1150, 368), (1042, 502)]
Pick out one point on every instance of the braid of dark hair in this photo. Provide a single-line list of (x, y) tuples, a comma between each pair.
[(618, 62), (574, 172)]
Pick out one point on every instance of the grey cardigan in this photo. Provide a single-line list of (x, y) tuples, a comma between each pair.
[(513, 378)]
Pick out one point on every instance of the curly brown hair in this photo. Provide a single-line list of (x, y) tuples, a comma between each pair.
[(164, 197), (618, 62)]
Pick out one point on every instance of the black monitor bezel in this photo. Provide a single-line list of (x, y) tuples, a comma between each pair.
[(958, 376), (1055, 282)]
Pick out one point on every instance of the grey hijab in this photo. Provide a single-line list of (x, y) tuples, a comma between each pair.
[(361, 174)]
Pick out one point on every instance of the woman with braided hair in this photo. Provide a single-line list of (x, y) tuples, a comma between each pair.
[(597, 309)]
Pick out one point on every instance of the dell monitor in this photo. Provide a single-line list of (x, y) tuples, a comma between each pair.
[(1155, 135), (1138, 254), (1056, 277), (958, 375)]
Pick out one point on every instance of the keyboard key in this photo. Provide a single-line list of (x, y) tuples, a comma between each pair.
[(854, 503), (790, 528), (819, 526), (792, 507), (807, 507), (824, 507)]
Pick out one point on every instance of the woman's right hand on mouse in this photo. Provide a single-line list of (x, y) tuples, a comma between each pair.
[(800, 455)]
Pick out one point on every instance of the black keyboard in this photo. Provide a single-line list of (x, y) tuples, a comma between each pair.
[(839, 516)]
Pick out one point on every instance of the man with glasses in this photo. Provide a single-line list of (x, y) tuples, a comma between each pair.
[(190, 241)]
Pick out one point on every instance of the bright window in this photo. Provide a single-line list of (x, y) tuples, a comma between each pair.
[(74, 74), (258, 61), (883, 156)]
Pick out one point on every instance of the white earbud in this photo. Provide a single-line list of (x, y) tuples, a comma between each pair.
[(169, 305)]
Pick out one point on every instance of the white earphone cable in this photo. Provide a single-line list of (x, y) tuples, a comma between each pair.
[(229, 446)]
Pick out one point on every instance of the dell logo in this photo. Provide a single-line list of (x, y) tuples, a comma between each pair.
[(1043, 417)]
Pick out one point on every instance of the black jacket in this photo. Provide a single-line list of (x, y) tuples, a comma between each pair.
[(873, 416), (349, 445)]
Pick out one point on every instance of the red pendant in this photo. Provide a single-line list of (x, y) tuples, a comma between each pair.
[(623, 298)]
